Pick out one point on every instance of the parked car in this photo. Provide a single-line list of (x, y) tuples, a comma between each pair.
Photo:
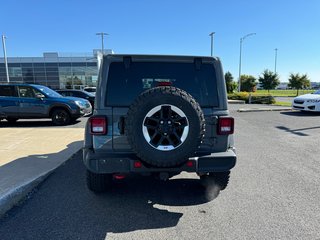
[(27, 101), (91, 90), (79, 94), (159, 115), (307, 102)]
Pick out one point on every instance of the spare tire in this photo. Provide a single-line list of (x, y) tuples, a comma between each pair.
[(165, 126)]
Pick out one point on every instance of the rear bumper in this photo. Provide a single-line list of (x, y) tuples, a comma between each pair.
[(125, 163)]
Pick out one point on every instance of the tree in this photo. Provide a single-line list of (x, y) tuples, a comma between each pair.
[(248, 83), (230, 84), (73, 81), (297, 81), (269, 80)]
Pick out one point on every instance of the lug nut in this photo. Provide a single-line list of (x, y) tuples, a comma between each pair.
[(161, 122), (169, 122)]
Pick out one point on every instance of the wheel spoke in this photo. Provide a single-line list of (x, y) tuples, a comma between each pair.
[(153, 119), (151, 122), (153, 136), (149, 126), (160, 141), (169, 112), (170, 141), (165, 112), (175, 134), (181, 120)]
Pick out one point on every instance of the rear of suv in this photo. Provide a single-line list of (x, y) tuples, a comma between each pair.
[(159, 115)]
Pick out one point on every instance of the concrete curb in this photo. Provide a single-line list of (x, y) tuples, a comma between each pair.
[(14, 195), (263, 109), (236, 101)]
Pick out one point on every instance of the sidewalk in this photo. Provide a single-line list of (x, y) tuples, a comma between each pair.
[(261, 108), (29, 155)]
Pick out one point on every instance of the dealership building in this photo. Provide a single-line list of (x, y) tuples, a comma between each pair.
[(55, 70)]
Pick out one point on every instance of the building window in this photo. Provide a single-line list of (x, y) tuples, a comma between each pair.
[(15, 72)]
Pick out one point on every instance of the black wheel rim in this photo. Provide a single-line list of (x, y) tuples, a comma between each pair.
[(165, 127), (61, 117)]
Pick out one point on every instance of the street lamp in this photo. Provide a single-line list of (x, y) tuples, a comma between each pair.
[(275, 60), (241, 40), (211, 34), (5, 56), (102, 34)]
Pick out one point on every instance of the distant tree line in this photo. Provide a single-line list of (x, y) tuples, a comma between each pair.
[(268, 80)]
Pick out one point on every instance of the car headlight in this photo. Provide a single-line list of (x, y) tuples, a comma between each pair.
[(80, 103)]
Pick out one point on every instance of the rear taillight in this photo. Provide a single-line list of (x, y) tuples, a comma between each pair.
[(98, 125), (225, 125)]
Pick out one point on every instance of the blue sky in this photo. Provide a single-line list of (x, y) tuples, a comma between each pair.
[(172, 27)]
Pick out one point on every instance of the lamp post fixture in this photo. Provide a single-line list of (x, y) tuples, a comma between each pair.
[(211, 35), (102, 34), (275, 60), (241, 40), (5, 56)]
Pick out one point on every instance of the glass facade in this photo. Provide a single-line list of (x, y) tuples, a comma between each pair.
[(56, 73)]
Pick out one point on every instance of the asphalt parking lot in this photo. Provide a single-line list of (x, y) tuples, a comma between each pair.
[(273, 193)]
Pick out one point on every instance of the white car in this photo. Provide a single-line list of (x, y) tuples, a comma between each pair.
[(307, 102)]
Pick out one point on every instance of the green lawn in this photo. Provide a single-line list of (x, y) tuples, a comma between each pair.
[(284, 93), (284, 104)]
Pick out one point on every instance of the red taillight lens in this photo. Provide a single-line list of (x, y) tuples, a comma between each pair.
[(137, 164), (225, 125), (189, 163), (98, 125)]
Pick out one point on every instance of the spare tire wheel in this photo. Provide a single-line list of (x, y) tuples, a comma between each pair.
[(165, 126)]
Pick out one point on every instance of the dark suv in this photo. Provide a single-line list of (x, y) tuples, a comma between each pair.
[(159, 115), (22, 101), (79, 94)]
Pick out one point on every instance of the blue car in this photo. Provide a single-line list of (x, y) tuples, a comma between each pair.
[(27, 101)]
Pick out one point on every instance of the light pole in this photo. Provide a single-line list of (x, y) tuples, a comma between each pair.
[(275, 60), (241, 40), (5, 56), (102, 34), (211, 34)]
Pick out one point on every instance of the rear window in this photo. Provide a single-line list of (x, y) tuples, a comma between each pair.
[(7, 91), (125, 84)]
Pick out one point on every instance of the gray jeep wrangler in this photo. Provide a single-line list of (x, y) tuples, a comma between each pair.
[(159, 115)]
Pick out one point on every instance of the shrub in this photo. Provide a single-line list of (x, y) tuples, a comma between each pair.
[(260, 99)]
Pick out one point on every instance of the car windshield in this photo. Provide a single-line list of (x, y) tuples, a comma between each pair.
[(47, 91), (91, 94), (90, 90), (317, 92)]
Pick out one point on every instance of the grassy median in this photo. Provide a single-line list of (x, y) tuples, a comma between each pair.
[(284, 93)]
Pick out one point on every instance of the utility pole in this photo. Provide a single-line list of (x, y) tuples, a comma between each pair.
[(5, 56), (102, 34), (241, 40), (275, 60), (211, 34)]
